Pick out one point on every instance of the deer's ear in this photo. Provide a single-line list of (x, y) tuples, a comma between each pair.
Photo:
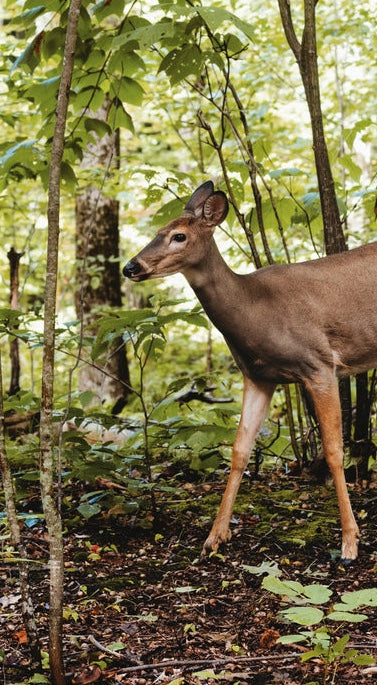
[(196, 202), (215, 208)]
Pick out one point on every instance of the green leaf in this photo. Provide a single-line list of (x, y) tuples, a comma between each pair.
[(53, 42), (215, 16), (312, 204), (346, 616), (154, 347), (168, 212), (351, 133), (116, 646), (194, 318), (20, 153), (186, 588), (182, 62), (317, 594), (45, 93), (125, 63), (128, 90), (269, 567), (234, 44), (358, 598), (30, 14), (28, 57), (290, 171), (119, 118), (363, 660), (312, 653), (90, 96), (291, 639), (340, 645), (104, 9), (86, 397), (10, 317), (304, 616), (88, 510), (279, 587), (207, 674), (99, 126), (354, 169), (49, 5), (146, 36), (178, 384), (68, 175)]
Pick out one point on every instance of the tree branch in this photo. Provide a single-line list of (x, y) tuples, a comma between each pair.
[(290, 33)]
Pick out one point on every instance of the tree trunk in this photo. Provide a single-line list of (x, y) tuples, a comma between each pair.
[(306, 56), (27, 607), (50, 508), (14, 261), (98, 283), (363, 446)]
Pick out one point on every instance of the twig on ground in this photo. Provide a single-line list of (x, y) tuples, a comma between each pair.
[(212, 662), (124, 655)]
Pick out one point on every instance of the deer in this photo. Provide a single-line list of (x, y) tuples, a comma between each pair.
[(305, 322)]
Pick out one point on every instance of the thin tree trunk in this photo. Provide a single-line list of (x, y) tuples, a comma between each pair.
[(15, 537), (306, 56), (362, 447), (14, 261), (52, 514)]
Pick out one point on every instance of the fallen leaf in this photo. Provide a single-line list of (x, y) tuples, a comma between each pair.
[(268, 639), (88, 675), (21, 636)]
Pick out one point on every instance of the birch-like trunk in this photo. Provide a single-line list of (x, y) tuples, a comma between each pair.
[(98, 281)]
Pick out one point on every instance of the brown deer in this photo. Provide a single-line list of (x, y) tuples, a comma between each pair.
[(307, 322)]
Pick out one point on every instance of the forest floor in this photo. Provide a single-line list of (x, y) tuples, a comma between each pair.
[(142, 606)]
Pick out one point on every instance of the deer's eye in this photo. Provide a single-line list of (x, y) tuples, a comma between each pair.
[(179, 237)]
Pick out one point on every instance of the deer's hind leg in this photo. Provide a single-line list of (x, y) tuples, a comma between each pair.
[(326, 401)]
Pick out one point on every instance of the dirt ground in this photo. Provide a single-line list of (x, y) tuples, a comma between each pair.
[(142, 606)]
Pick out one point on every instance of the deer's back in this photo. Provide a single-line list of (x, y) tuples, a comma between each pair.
[(293, 320)]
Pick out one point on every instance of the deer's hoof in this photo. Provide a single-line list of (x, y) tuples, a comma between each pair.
[(344, 561), (214, 540), (349, 550)]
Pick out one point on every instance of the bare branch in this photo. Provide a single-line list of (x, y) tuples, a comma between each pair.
[(289, 30)]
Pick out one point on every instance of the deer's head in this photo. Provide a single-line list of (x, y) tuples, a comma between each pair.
[(183, 243)]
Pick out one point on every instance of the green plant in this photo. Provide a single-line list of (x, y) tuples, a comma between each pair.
[(144, 330), (310, 607)]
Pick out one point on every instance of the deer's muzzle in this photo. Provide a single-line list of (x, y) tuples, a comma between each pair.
[(133, 270)]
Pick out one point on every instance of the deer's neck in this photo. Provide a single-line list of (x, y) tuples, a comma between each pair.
[(217, 288)]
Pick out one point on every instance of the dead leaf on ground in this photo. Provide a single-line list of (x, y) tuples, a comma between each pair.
[(268, 638), (90, 674)]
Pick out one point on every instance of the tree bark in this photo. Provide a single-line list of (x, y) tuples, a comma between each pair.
[(14, 261), (52, 514), (363, 446), (16, 541), (98, 283), (306, 57)]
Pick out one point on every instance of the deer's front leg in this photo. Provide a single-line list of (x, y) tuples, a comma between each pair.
[(255, 403)]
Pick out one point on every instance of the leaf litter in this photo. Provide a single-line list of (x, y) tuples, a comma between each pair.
[(143, 607)]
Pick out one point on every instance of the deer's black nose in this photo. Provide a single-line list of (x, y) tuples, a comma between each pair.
[(132, 268)]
